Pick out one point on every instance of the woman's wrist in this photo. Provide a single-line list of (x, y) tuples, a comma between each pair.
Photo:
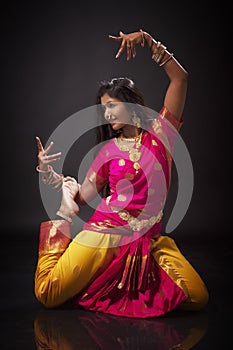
[(50, 177), (148, 39), (160, 54), (60, 215)]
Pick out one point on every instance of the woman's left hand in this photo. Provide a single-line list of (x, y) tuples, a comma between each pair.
[(128, 41)]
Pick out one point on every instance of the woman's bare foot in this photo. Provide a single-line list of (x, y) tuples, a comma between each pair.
[(70, 188)]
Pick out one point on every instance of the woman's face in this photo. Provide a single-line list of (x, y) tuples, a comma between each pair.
[(115, 112)]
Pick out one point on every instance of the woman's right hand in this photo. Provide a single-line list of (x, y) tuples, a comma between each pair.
[(44, 160)]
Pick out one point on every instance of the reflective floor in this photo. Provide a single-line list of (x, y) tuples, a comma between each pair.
[(25, 324)]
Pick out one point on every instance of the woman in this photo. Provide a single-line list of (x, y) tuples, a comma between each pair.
[(120, 263)]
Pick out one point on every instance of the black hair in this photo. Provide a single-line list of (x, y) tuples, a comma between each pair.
[(125, 90)]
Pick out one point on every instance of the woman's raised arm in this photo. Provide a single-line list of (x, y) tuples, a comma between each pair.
[(175, 96)]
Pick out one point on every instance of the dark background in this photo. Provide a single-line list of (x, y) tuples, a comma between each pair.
[(52, 57)]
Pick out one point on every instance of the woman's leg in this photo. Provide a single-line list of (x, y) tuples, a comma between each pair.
[(65, 267), (172, 261)]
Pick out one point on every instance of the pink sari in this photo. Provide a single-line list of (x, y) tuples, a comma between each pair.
[(133, 284)]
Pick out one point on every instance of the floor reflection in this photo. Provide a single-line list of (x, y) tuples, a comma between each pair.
[(80, 329)]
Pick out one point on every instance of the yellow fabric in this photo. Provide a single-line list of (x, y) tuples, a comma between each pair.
[(170, 259), (61, 275)]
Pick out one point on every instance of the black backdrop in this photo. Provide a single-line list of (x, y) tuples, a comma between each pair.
[(54, 54)]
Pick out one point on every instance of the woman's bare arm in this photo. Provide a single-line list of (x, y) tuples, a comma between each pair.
[(175, 95)]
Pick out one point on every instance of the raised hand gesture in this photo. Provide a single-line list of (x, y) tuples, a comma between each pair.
[(128, 42), (44, 160)]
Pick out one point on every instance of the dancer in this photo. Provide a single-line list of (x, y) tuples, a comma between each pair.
[(121, 263)]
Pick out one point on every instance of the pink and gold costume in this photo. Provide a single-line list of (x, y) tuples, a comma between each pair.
[(120, 263)]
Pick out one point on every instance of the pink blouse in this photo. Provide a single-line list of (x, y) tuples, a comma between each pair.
[(137, 192)]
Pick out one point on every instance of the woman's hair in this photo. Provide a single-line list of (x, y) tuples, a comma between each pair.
[(125, 90)]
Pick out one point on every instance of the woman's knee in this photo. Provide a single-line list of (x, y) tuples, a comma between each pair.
[(196, 300)]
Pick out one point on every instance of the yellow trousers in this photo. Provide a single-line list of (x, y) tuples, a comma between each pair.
[(66, 267)]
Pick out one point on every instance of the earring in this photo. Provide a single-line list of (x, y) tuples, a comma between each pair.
[(136, 120)]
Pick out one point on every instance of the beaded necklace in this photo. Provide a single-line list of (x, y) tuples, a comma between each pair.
[(134, 153)]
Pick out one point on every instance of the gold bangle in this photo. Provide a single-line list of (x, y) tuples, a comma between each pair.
[(43, 171), (158, 55), (67, 218), (167, 59)]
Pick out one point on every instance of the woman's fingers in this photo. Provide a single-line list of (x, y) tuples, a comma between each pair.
[(43, 153), (115, 38), (133, 49), (49, 147), (71, 184), (51, 158), (70, 179), (129, 42), (121, 49), (39, 144)]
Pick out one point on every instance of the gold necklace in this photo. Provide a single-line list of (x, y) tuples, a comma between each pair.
[(132, 139), (134, 154)]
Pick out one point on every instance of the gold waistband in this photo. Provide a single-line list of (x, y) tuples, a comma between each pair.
[(134, 223)]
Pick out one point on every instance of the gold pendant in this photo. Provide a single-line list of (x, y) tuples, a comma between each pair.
[(134, 155), (136, 167)]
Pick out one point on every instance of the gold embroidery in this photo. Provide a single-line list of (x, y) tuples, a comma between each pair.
[(108, 199), (157, 126), (136, 166), (157, 166), (121, 198), (154, 143), (120, 286), (129, 176), (151, 191), (136, 224), (100, 225), (53, 231), (134, 155), (121, 162)]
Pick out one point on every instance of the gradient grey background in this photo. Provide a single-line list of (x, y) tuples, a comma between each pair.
[(52, 57)]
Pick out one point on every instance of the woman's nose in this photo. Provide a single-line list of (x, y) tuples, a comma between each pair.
[(106, 114)]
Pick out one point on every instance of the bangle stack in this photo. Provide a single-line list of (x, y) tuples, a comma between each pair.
[(166, 60), (159, 54), (51, 177)]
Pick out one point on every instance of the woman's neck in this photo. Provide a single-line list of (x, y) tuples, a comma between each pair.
[(129, 131)]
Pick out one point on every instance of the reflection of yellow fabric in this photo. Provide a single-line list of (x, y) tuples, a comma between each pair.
[(170, 259), (80, 329), (61, 275)]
